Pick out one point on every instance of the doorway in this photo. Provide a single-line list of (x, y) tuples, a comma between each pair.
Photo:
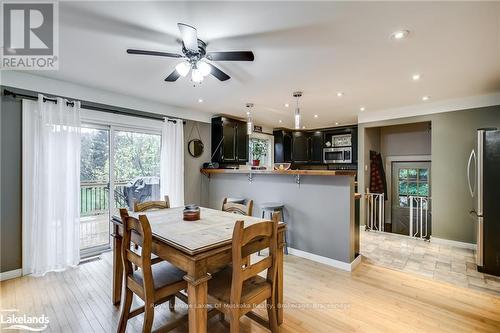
[(410, 197)]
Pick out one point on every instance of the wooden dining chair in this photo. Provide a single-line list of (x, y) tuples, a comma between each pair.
[(148, 205), (238, 208), (236, 290), (154, 284)]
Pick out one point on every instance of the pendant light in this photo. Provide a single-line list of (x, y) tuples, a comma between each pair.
[(297, 95), (249, 119)]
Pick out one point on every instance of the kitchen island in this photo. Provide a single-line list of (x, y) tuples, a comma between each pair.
[(319, 207)]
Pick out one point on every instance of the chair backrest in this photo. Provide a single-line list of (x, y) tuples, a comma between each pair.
[(247, 241), (238, 208), (137, 232), (147, 205)]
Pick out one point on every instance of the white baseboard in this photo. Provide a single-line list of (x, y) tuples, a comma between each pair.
[(327, 261), (11, 274), (463, 245)]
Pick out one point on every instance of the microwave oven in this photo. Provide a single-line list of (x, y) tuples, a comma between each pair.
[(337, 155)]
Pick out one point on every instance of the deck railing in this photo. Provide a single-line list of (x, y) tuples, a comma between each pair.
[(94, 197)]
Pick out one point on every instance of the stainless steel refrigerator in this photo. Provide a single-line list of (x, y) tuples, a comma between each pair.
[(483, 176)]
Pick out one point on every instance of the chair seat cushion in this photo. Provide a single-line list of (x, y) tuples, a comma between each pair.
[(164, 274), (255, 288)]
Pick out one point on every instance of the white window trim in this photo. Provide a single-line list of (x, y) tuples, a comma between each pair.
[(270, 147)]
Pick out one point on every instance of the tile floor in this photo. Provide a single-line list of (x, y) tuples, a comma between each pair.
[(436, 261)]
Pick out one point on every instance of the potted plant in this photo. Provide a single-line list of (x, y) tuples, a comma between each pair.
[(259, 150)]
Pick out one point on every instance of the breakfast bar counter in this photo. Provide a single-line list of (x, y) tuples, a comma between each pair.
[(281, 172), (319, 207)]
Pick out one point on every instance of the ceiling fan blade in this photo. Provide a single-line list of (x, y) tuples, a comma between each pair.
[(173, 76), (154, 53), (189, 36), (231, 56), (218, 73)]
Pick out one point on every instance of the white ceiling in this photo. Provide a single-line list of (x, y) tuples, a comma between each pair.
[(320, 48)]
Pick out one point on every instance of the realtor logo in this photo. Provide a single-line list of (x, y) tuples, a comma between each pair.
[(30, 35)]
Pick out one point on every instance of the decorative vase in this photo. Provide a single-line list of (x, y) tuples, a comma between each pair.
[(255, 162)]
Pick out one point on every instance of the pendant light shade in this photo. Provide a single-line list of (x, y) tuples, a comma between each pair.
[(249, 119), (297, 95)]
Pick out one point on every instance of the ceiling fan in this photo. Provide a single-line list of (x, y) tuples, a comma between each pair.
[(195, 52)]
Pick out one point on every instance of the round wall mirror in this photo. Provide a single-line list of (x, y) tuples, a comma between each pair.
[(195, 147)]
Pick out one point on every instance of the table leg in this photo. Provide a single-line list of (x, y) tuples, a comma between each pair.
[(279, 284), (117, 269), (197, 299)]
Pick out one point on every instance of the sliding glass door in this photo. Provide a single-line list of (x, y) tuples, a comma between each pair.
[(94, 188), (136, 167), (126, 160)]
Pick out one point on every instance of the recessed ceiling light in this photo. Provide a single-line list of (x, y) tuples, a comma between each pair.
[(303, 127), (336, 123), (315, 116), (400, 34), (415, 77), (248, 113), (200, 100), (362, 109), (287, 105), (425, 98), (280, 121), (340, 94)]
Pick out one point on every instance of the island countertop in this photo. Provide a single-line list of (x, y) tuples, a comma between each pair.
[(208, 172)]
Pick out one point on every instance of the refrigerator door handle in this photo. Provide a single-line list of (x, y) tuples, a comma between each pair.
[(472, 188)]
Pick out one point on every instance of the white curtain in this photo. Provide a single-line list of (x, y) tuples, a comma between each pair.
[(51, 185), (172, 162)]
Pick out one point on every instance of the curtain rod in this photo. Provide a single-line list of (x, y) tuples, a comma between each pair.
[(88, 106)]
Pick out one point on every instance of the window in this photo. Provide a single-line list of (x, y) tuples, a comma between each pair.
[(412, 182), (261, 148)]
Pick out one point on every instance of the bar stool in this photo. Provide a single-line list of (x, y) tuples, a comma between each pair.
[(273, 207)]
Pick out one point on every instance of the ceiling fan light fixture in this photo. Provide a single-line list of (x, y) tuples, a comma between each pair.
[(183, 68), (196, 75), (203, 67)]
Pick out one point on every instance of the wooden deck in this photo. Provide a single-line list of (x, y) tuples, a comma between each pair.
[(94, 231), (318, 298)]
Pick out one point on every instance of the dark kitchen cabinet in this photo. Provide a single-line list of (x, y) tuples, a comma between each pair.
[(241, 142), (282, 146), (229, 141), (300, 147), (316, 147)]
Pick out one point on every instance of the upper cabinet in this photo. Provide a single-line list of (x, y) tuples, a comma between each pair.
[(282, 146), (300, 147), (306, 146), (229, 141)]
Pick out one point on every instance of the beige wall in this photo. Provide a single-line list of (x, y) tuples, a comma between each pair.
[(453, 136), (407, 139), (192, 177)]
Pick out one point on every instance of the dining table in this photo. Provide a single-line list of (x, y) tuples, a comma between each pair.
[(199, 248)]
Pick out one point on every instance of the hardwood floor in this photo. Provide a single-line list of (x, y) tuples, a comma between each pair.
[(319, 299)]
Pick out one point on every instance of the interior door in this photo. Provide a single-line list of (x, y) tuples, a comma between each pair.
[(408, 179)]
